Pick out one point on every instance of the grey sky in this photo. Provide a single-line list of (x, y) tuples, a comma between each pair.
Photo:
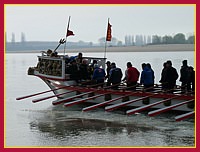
[(89, 22)]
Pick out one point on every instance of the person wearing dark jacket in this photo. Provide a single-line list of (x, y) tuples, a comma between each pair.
[(73, 71), (163, 74), (171, 76), (115, 75), (108, 72), (84, 73), (185, 77), (192, 78)]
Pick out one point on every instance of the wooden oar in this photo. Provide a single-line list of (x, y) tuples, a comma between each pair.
[(106, 102), (28, 96), (56, 95), (115, 106), (83, 100), (56, 102), (156, 112), (73, 97), (130, 87), (184, 116), (95, 85), (112, 107), (114, 85), (132, 111)]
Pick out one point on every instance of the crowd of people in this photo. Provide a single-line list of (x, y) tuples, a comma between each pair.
[(79, 70)]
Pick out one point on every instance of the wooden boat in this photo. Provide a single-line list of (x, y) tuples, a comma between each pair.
[(69, 92)]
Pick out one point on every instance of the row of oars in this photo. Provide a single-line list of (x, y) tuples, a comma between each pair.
[(64, 93), (69, 101)]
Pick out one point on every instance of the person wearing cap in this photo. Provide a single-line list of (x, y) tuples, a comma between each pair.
[(99, 74), (115, 76), (108, 72)]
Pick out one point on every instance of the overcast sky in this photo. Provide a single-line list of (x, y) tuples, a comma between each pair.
[(89, 22)]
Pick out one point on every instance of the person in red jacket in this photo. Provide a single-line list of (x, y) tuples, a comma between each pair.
[(132, 76)]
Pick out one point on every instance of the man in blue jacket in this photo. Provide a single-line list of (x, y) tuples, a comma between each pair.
[(147, 77), (99, 74)]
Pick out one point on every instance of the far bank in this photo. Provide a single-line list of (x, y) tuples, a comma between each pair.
[(146, 48)]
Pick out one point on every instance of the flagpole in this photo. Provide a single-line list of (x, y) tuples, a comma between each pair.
[(106, 40), (66, 34), (105, 49)]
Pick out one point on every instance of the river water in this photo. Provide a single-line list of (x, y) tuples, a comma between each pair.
[(41, 124)]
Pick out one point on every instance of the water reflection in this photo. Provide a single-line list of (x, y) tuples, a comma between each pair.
[(72, 127), (78, 126)]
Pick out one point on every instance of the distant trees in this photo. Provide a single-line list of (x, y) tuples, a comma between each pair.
[(179, 38), (130, 40), (140, 40), (191, 39), (156, 39), (176, 39), (167, 39)]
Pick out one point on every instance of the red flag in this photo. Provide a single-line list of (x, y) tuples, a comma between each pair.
[(109, 36), (69, 33)]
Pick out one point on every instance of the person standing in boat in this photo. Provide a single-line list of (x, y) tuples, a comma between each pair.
[(163, 75), (132, 76), (147, 77), (185, 77), (84, 74), (153, 76), (79, 58), (99, 74), (115, 76), (91, 68), (192, 78), (171, 76), (108, 73), (73, 71)]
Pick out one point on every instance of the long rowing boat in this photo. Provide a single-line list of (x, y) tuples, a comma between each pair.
[(52, 70)]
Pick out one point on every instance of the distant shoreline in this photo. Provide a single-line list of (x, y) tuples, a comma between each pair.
[(146, 48)]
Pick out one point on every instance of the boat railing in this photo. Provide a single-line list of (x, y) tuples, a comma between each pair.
[(56, 67), (53, 67), (100, 61)]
